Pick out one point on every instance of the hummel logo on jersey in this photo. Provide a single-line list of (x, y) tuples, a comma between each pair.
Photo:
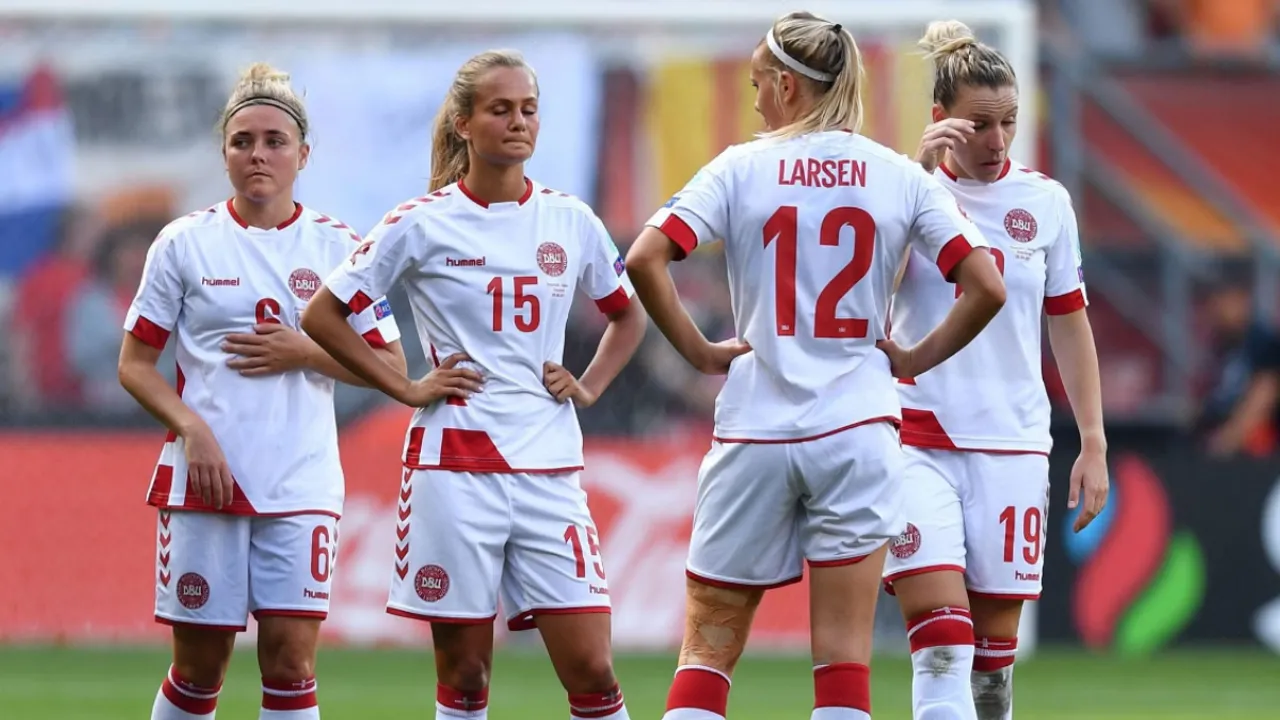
[(465, 262), (220, 282)]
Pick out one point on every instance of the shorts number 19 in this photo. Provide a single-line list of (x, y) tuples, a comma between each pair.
[(1032, 533)]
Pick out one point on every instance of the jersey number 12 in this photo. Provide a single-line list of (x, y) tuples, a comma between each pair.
[(782, 230)]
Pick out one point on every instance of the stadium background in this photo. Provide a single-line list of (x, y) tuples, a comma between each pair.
[(1158, 115)]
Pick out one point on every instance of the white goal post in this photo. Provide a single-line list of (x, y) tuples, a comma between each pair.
[(1014, 21)]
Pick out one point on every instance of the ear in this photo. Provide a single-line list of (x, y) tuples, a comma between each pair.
[(939, 113), (787, 87), (462, 126), (304, 152)]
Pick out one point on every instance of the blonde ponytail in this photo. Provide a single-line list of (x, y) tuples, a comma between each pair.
[(450, 160), (959, 60), (830, 50)]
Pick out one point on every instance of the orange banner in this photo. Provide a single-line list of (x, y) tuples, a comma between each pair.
[(78, 542)]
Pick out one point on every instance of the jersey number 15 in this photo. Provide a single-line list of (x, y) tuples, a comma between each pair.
[(527, 309)]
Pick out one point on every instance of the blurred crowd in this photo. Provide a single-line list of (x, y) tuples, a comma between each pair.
[(1246, 30)]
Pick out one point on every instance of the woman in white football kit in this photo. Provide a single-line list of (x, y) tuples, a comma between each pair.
[(805, 462), (491, 507), (976, 428), (248, 485)]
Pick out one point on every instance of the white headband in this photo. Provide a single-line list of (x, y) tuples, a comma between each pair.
[(794, 64)]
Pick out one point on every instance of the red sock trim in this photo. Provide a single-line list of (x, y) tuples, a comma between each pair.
[(846, 685), (462, 700), (699, 689), (285, 695), (992, 654), (187, 696), (596, 705), (940, 628)]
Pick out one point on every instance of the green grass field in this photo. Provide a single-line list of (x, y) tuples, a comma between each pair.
[(111, 684)]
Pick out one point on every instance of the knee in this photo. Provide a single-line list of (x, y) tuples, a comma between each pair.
[(590, 674), (201, 658), (466, 671), (287, 657)]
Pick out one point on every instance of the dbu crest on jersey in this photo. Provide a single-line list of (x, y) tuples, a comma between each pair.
[(552, 259), (1020, 225), (304, 283)]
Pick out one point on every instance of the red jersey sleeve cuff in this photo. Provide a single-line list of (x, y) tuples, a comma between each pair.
[(956, 249), (1065, 304), (375, 339), (679, 232), (150, 333), (359, 302), (616, 301)]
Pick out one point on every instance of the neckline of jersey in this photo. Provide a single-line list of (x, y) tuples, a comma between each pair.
[(528, 193), (1008, 163), (231, 210)]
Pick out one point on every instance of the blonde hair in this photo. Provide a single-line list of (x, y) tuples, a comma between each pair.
[(262, 84), (829, 50), (960, 60), (449, 159)]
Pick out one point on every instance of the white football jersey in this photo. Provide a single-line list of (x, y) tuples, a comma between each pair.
[(990, 395), (814, 228), (494, 281), (209, 275)]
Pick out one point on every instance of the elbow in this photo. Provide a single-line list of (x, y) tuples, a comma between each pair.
[(394, 356), (126, 373), (994, 295)]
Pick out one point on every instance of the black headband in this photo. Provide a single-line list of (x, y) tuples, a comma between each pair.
[(263, 100)]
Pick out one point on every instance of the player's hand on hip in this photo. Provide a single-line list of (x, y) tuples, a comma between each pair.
[(564, 387), (207, 467), (901, 360), (270, 349), (715, 358), (1089, 478), (447, 380), (940, 137)]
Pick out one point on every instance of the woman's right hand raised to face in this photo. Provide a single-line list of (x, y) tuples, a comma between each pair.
[(940, 137), (445, 381)]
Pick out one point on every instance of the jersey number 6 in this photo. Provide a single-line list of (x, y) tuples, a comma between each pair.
[(520, 301), (783, 227)]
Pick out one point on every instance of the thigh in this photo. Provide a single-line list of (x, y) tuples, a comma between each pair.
[(852, 493), (451, 530), (554, 564), (934, 536), (745, 521), (1006, 500), (291, 564), (202, 573)]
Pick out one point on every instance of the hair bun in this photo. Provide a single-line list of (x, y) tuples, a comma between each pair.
[(944, 37)]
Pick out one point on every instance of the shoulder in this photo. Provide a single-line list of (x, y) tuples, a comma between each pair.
[(193, 225), (562, 201), (1037, 186), (423, 207), (328, 227)]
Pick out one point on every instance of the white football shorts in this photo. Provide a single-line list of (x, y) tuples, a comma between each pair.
[(214, 569), (465, 541), (983, 514), (763, 509)]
